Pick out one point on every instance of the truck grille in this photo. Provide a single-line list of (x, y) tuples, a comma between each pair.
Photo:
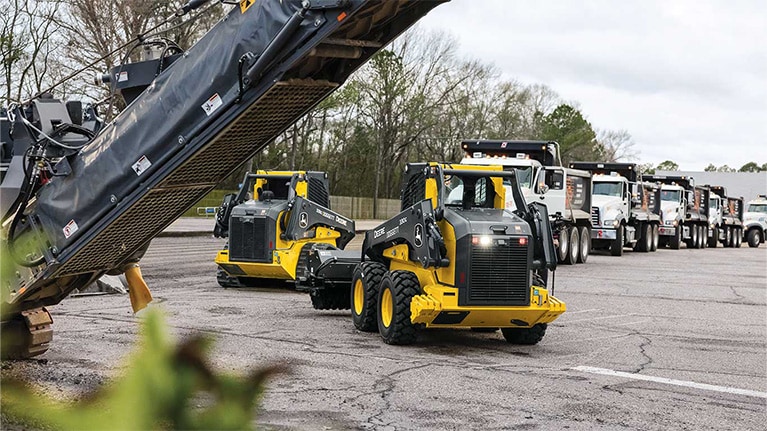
[(595, 216), (499, 274), (247, 239)]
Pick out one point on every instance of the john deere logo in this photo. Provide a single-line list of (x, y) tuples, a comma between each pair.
[(303, 220), (418, 235)]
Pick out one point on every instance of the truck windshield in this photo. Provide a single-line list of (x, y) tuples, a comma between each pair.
[(524, 177), (757, 208), (669, 195), (608, 189)]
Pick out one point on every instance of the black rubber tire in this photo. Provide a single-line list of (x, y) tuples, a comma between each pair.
[(655, 237), (693, 241), (738, 237), (370, 275), (402, 286), (704, 237), (484, 330), (526, 336), (573, 254), (644, 242), (754, 238), (727, 236), (585, 235), (226, 280), (675, 242), (699, 236), (563, 248), (713, 241), (616, 247)]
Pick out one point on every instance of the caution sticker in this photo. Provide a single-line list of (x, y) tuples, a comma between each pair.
[(141, 165), (245, 4), (70, 228), (212, 104), (122, 76)]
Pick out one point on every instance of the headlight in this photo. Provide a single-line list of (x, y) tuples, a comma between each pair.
[(676, 222), (608, 222), (712, 225), (483, 240)]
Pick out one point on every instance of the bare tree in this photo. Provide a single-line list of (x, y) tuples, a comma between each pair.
[(617, 145), (27, 31)]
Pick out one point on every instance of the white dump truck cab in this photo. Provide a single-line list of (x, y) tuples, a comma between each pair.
[(542, 178), (755, 221), (725, 218)]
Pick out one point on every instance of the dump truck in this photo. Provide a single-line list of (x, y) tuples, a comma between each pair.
[(565, 192), (725, 218), (755, 221), (454, 257), (684, 209), (78, 203), (270, 225), (625, 210)]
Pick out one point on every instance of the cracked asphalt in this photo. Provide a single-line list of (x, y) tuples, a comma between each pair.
[(695, 316)]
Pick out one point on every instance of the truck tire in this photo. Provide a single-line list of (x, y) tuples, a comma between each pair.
[(754, 237), (526, 336), (676, 241), (573, 254), (616, 247), (713, 241), (364, 293), (644, 242), (701, 239), (655, 237), (738, 237), (394, 296), (564, 242), (585, 234)]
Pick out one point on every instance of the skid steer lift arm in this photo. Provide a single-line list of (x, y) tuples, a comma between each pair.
[(247, 80), (306, 215)]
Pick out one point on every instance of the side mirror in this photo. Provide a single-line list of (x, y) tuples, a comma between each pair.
[(543, 188)]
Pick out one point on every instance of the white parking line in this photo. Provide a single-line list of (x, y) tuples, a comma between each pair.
[(685, 383), (595, 318)]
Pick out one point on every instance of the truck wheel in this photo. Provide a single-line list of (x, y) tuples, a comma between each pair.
[(676, 241), (364, 292), (655, 237), (754, 237), (692, 242), (397, 290), (616, 247), (701, 238), (574, 252), (527, 336), (585, 235), (714, 239), (644, 242), (564, 242), (738, 237)]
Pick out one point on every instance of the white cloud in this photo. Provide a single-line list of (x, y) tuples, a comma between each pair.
[(686, 79)]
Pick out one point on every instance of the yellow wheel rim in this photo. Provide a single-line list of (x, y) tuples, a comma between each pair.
[(359, 297), (387, 307)]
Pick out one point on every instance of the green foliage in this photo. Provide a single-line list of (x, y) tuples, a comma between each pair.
[(576, 137), (159, 390), (667, 165), (710, 168), (725, 168), (647, 168), (750, 167)]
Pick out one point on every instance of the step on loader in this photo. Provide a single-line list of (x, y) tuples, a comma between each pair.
[(454, 257)]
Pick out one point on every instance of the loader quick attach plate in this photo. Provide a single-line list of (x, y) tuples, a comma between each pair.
[(187, 184)]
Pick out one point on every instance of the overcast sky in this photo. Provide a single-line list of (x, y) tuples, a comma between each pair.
[(687, 79)]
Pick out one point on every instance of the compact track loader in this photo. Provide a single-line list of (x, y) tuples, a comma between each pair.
[(272, 223), (454, 257)]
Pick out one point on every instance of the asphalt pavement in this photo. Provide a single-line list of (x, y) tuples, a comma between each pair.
[(650, 341)]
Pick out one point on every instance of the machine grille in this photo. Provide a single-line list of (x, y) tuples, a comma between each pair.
[(595, 216), (182, 187), (499, 274), (248, 239), (317, 193)]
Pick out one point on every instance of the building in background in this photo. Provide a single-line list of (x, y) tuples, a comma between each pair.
[(739, 184)]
